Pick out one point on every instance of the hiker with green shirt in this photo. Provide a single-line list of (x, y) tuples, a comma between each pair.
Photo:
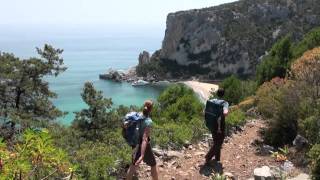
[(216, 111), (143, 151)]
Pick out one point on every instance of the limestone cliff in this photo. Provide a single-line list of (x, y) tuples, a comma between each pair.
[(231, 38)]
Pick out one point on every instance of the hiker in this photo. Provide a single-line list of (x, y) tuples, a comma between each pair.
[(143, 151), (215, 113)]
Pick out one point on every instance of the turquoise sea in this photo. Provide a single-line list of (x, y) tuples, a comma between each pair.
[(87, 54)]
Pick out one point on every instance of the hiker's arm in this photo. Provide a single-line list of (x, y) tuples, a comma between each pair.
[(145, 140), (225, 108), (144, 143)]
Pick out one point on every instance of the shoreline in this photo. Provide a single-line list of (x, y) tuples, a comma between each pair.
[(203, 90)]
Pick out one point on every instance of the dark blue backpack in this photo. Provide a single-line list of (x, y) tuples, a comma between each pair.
[(131, 127), (213, 112)]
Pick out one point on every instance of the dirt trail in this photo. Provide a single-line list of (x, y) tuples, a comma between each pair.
[(239, 157)]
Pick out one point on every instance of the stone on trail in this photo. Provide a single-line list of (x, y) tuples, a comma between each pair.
[(158, 152), (262, 173), (301, 177), (173, 154)]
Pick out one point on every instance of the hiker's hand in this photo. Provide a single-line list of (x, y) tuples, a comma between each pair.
[(139, 160)]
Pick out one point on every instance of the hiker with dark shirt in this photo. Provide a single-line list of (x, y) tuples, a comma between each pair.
[(143, 151), (215, 122)]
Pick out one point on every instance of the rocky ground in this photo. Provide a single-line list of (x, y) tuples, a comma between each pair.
[(242, 154)]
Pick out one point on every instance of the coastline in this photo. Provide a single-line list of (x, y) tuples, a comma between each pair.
[(201, 89)]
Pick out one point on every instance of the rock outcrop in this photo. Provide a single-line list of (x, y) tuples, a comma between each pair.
[(232, 38), (144, 57)]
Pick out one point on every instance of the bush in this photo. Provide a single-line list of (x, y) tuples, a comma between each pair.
[(279, 103), (276, 63), (178, 117), (172, 135), (269, 96), (310, 41), (234, 119), (34, 157), (314, 155), (236, 90)]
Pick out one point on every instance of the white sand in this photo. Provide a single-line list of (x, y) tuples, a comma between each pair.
[(202, 89)]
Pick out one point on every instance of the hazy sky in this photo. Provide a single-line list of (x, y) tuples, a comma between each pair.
[(94, 12)]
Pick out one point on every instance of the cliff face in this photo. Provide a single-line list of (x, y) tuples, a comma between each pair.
[(231, 38)]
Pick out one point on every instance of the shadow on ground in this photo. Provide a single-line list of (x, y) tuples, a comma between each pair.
[(209, 168)]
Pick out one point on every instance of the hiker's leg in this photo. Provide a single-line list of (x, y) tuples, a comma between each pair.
[(220, 139), (132, 169), (154, 172), (211, 152)]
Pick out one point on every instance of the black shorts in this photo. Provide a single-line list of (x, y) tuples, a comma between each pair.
[(149, 158)]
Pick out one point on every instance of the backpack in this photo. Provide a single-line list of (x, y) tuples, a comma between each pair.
[(213, 112), (131, 125)]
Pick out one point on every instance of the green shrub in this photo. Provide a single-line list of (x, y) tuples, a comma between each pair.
[(235, 118), (178, 117), (276, 63), (310, 41), (268, 97), (171, 134), (314, 155), (310, 128), (237, 90)]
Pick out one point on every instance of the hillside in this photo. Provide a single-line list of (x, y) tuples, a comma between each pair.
[(230, 38)]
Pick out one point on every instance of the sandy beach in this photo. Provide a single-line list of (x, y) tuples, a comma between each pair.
[(202, 89)]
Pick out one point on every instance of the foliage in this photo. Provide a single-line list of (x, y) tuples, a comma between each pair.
[(151, 69), (305, 70), (247, 103), (278, 101), (219, 177), (276, 63), (314, 155), (91, 120), (269, 96), (236, 90), (34, 157), (24, 94), (281, 155), (235, 118), (178, 117), (310, 41)]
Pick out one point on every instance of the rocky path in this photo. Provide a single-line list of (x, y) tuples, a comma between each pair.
[(241, 154)]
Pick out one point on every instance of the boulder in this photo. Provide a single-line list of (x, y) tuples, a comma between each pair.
[(266, 149), (300, 142), (263, 173), (287, 166), (301, 177), (112, 75)]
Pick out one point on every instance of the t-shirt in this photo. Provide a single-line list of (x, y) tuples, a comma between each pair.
[(147, 122), (220, 101)]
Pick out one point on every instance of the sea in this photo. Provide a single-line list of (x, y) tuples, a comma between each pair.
[(89, 52)]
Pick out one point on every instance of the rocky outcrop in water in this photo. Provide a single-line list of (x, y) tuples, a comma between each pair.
[(231, 38)]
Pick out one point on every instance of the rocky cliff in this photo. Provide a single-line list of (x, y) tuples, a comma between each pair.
[(231, 38)]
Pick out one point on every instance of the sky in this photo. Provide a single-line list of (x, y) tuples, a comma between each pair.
[(56, 13)]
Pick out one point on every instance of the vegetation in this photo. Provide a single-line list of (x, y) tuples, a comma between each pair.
[(33, 146), (277, 63), (25, 97), (237, 90), (178, 117), (34, 157)]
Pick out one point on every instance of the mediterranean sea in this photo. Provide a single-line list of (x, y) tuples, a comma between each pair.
[(86, 55)]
